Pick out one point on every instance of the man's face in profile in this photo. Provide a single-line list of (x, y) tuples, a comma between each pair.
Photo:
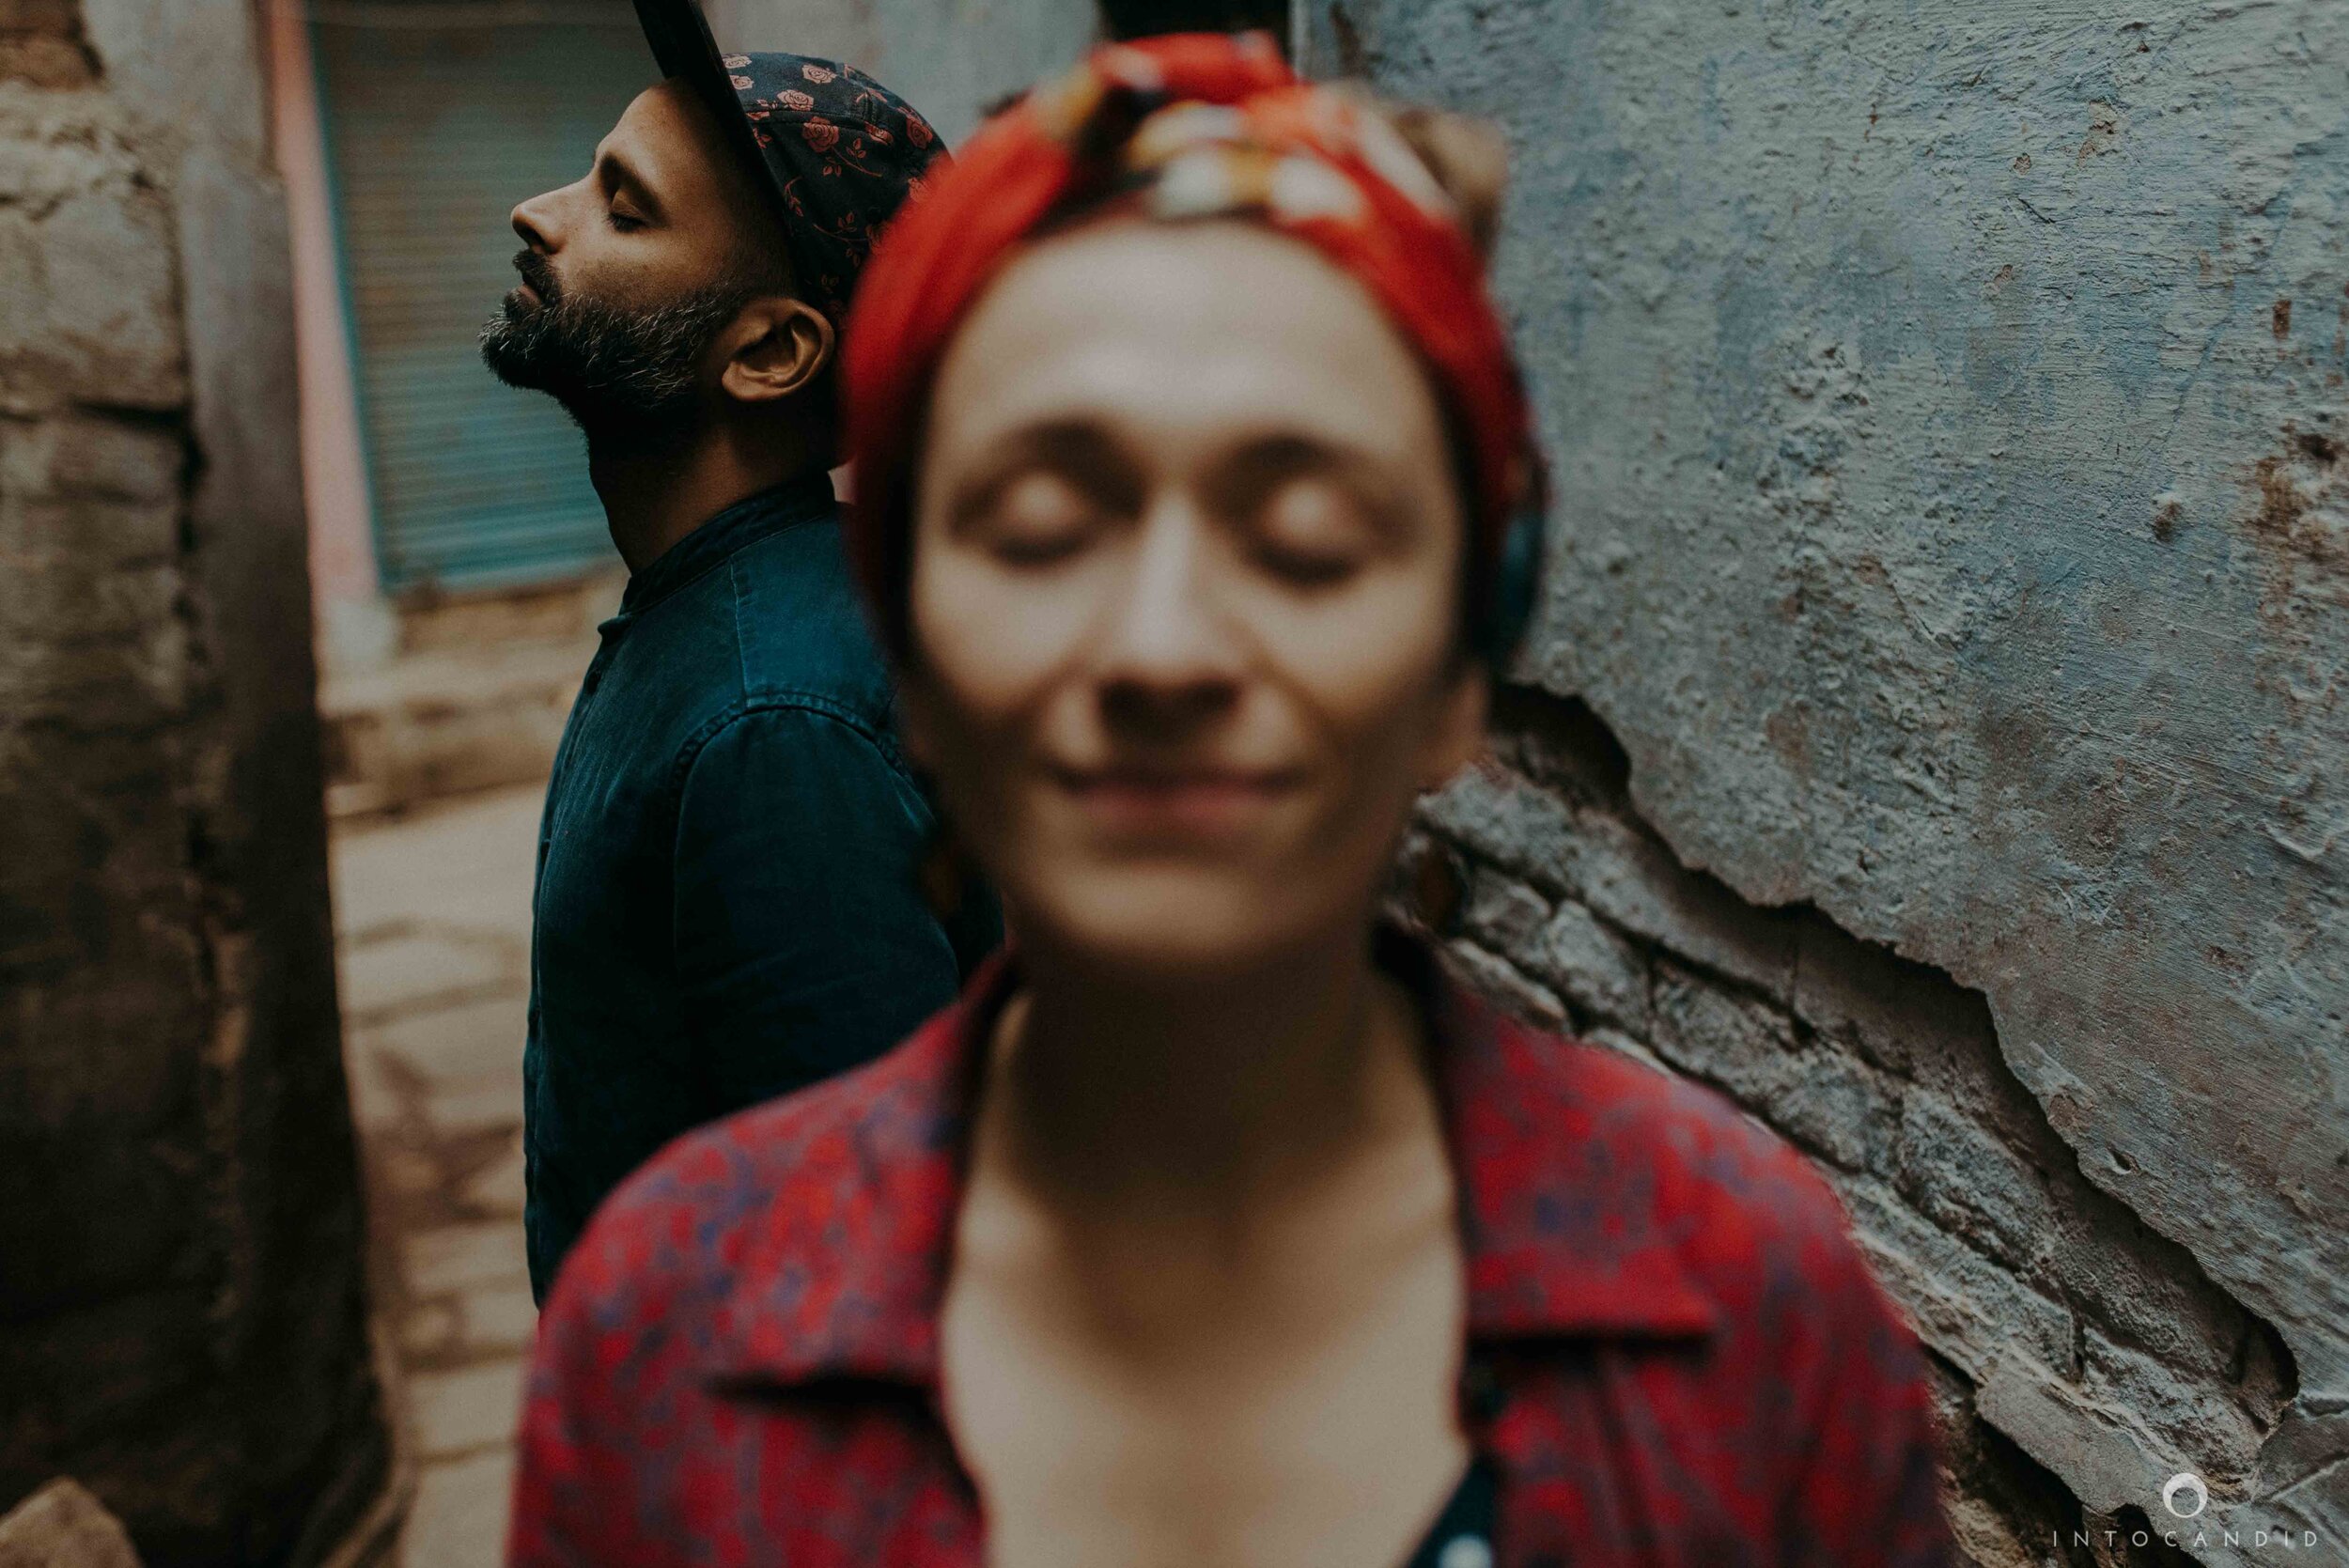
[(629, 273)]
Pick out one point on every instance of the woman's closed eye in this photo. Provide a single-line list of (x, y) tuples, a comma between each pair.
[(1311, 532), (1036, 518)]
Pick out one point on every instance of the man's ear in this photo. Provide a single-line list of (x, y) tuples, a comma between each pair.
[(777, 346)]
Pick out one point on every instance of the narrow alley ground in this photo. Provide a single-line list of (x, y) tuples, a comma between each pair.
[(432, 921)]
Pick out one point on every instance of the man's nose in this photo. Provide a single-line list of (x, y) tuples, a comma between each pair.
[(533, 221)]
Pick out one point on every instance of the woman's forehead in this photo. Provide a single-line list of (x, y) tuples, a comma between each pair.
[(1186, 328)]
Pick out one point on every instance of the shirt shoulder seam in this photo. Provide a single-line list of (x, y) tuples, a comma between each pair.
[(816, 704)]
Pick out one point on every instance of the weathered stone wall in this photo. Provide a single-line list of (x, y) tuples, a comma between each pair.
[(181, 1324), (1935, 731), (952, 60)]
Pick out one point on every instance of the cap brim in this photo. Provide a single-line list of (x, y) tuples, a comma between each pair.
[(683, 47)]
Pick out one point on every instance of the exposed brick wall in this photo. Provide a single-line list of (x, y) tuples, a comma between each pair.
[(1946, 407), (181, 1325), (2089, 1341)]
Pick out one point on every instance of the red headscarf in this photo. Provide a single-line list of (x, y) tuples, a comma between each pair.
[(1204, 124)]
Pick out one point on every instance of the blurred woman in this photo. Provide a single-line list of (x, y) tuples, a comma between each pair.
[(1214, 1225)]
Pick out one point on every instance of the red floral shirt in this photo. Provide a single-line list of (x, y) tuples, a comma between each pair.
[(1676, 1355)]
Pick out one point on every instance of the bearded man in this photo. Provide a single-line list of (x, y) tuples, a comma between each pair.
[(727, 905)]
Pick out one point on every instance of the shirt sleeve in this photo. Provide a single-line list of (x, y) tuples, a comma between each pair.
[(1867, 1486), (802, 944)]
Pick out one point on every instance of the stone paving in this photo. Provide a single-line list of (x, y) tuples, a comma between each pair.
[(432, 919)]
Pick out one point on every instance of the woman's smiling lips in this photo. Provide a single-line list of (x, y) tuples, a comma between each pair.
[(1180, 802)]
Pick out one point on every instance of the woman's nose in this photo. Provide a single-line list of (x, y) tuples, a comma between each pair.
[(1168, 640)]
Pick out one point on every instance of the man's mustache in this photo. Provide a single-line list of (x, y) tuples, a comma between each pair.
[(538, 273)]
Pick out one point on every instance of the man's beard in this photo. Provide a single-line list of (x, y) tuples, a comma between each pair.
[(628, 377)]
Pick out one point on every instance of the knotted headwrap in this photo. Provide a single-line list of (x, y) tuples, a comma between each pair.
[(1191, 126)]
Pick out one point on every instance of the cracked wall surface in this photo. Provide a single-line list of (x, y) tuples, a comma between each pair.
[(181, 1324), (1945, 640)]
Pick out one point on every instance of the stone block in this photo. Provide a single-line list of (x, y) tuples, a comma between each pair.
[(498, 1319), (1638, 1050), (90, 456), (1703, 1028), (458, 1519), (1904, 1016), (1961, 1303), (448, 723), (2103, 1455), (1493, 978), (2194, 1416), (456, 1258), (62, 1526), (414, 970), (1598, 970), (49, 63), (66, 598), (1833, 1104), (1510, 821), (98, 688), (1504, 914), (92, 314), (54, 145), (498, 1188), (94, 532), (490, 1104), (2147, 1288), (452, 1045), (1632, 881), (472, 1407), (1971, 1185)]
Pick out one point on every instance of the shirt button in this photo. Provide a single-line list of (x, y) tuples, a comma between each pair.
[(1465, 1551)]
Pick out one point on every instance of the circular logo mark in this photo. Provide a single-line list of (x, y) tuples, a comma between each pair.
[(2185, 1484)]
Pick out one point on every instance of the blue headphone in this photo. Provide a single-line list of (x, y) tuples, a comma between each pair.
[(1508, 607)]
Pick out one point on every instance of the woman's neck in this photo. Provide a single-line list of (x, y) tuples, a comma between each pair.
[(1200, 1102)]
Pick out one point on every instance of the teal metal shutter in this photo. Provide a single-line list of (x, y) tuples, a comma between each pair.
[(438, 122)]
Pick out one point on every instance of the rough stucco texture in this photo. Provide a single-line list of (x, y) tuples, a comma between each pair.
[(182, 1322), (1948, 416)]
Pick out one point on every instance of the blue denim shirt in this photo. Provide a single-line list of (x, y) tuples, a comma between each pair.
[(726, 907)]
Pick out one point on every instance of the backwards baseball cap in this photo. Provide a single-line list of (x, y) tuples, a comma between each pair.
[(835, 150)]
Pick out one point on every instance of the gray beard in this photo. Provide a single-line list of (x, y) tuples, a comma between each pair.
[(628, 377)]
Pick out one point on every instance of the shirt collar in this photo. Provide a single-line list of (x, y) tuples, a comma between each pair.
[(738, 527), (1572, 1220)]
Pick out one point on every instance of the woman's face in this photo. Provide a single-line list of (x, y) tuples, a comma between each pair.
[(1184, 596)]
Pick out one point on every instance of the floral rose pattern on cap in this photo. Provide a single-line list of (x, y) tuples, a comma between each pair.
[(842, 152)]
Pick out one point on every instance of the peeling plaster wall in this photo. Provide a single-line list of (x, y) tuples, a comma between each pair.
[(1947, 405), (181, 1321)]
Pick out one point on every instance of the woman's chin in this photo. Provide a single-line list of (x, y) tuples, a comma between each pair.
[(1173, 924)]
